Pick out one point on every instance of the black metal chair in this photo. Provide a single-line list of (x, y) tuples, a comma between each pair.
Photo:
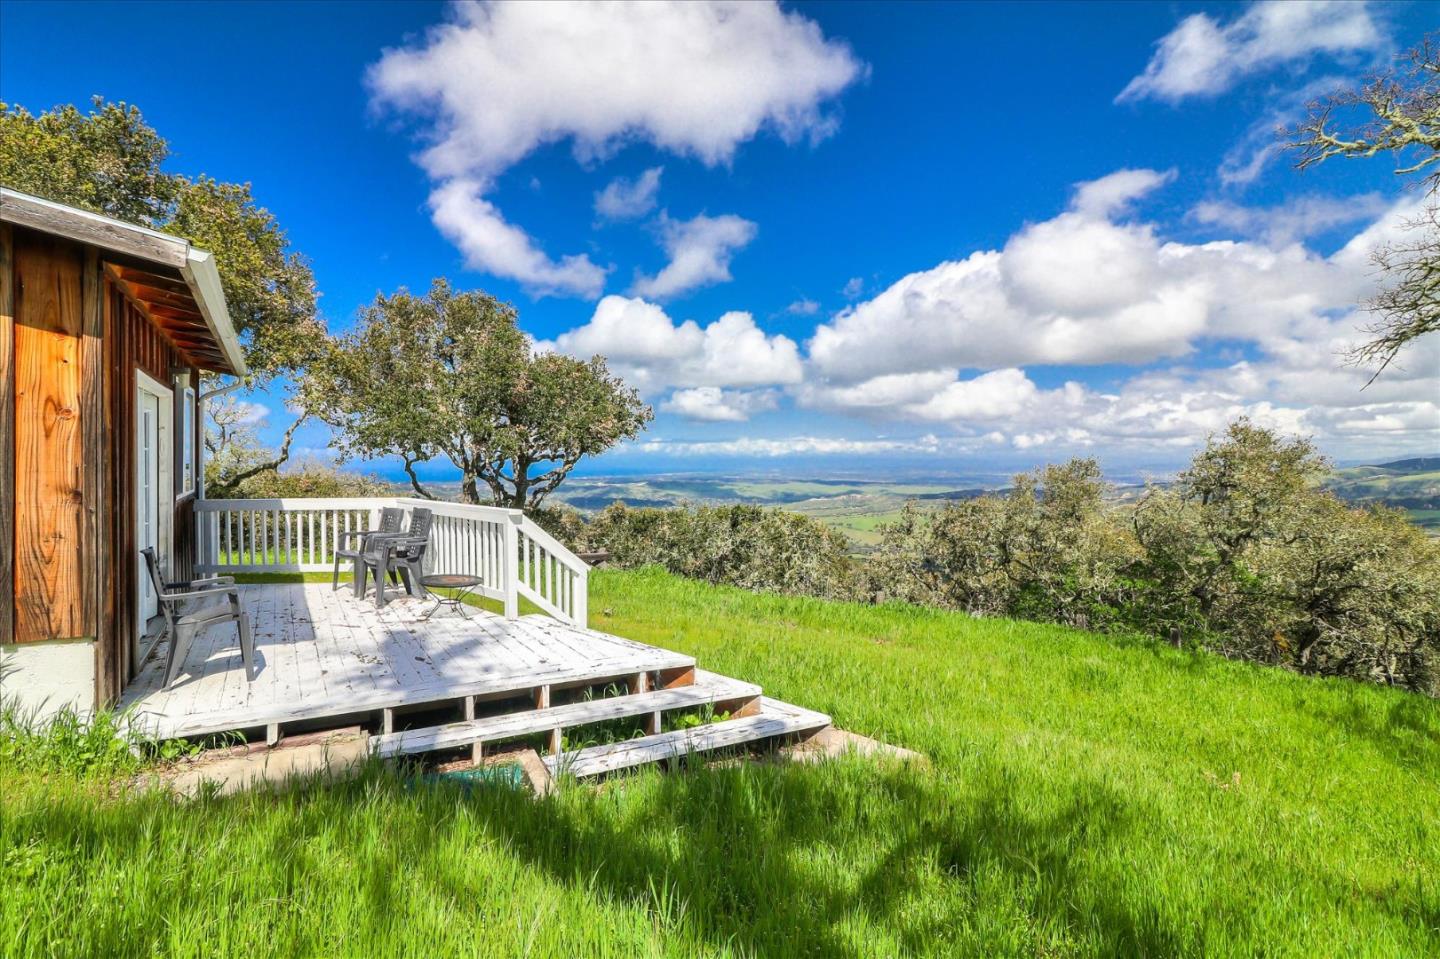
[(183, 624), (391, 518), (398, 554)]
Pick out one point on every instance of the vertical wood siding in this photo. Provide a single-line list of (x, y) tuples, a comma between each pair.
[(49, 580), (95, 437), (7, 435)]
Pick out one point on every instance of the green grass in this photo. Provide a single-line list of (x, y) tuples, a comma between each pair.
[(1426, 519), (1086, 796), (862, 528)]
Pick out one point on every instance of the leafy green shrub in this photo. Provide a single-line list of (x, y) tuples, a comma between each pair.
[(1050, 549), (749, 546), (1243, 554), (311, 479), (1246, 553), (565, 524)]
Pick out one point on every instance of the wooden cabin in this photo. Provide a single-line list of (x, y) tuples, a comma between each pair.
[(105, 329)]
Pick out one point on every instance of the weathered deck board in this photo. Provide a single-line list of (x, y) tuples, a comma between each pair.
[(709, 688), (323, 653), (775, 719)]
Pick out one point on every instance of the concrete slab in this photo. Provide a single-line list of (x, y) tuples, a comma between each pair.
[(232, 770)]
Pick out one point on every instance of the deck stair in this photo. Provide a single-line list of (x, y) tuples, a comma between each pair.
[(708, 689), (774, 719), (326, 660)]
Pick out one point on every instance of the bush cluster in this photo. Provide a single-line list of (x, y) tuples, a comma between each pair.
[(1242, 554), (741, 545), (309, 479)]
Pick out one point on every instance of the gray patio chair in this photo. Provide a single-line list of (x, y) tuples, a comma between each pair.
[(391, 518), (183, 623), (398, 554)]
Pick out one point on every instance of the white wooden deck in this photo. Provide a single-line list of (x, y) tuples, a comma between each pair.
[(323, 653)]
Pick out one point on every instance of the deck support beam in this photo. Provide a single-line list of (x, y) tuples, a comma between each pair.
[(542, 701), (740, 707), (477, 748), (683, 676), (640, 683)]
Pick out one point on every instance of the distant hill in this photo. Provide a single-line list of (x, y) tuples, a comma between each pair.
[(1419, 464), (1409, 484)]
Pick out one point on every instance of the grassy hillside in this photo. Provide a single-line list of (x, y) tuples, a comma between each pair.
[(1412, 485), (1087, 796)]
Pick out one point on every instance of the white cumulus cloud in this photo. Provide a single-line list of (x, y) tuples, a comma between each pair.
[(714, 405), (1112, 195), (653, 352), (500, 79), (791, 446), (1202, 56), (626, 199), (699, 249), (1295, 219), (492, 245), (1083, 289), (950, 345)]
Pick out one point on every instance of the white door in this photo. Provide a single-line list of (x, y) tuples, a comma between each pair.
[(147, 508)]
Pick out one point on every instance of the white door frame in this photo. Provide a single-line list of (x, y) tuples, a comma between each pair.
[(165, 499)]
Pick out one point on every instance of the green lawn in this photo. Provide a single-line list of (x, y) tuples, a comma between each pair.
[(1086, 796)]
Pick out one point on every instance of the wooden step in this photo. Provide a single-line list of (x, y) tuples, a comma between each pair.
[(708, 688), (775, 719)]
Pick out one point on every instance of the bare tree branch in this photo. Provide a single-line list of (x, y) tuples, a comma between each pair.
[(228, 484), (1403, 120)]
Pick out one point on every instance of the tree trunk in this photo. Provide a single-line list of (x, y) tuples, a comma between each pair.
[(522, 483), (469, 490)]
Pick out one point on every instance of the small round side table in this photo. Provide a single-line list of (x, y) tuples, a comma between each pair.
[(459, 581)]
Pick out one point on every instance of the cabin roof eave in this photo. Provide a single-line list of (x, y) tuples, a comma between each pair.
[(195, 266)]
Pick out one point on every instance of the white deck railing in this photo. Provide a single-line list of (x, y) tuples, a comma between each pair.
[(511, 554)]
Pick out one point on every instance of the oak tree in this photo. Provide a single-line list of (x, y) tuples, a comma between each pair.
[(450, 374)]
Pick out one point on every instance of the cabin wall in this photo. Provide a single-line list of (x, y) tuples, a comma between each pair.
[(69, 348), (50, 377), (134, 343)]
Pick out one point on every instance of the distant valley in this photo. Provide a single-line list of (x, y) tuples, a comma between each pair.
[(857, 506), (1412, 485)]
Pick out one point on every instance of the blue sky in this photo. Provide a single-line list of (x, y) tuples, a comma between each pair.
[(866, 245)]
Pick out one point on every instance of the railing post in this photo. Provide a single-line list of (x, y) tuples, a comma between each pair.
[(511, 561), (582, 596)]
